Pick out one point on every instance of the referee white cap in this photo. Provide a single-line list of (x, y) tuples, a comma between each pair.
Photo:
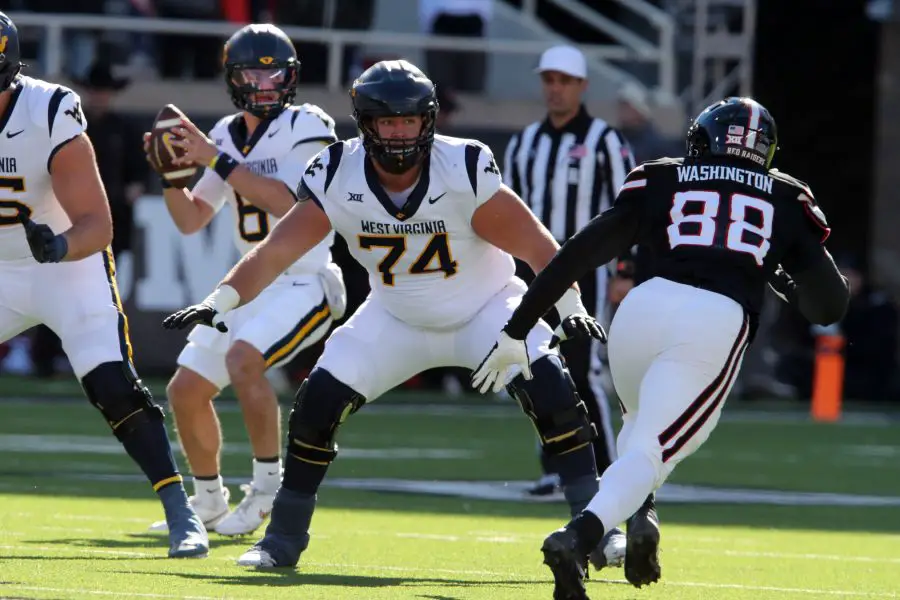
[(565, 59)]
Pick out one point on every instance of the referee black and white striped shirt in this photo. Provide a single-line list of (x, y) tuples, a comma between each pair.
[(567, 176)]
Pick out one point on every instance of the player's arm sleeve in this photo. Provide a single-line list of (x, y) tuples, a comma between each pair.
[(510, 174), (811, 281), (481, 169), (65, 120), (211, 189), (602, 239)]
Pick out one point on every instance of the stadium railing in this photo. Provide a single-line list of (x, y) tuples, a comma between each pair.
[(55, 24)]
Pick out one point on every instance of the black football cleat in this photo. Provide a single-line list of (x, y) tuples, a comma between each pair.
[(561, 554), (642, 547)]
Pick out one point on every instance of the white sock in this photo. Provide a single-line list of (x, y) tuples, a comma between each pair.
[(210, 491), (267, 476), (623, 488)]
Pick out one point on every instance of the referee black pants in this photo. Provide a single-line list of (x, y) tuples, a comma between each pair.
[(583, 360)]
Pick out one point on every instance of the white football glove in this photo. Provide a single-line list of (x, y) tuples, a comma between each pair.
[(501, 364), (335, 291)]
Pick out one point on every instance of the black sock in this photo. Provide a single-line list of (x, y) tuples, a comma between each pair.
[(147, 443), (206, 477), (590, 531), (273, 459)]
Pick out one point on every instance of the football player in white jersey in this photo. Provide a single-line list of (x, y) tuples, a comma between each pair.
[(254, 163), (56, 268), (429, 218)]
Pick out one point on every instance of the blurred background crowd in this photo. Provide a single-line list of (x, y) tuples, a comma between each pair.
[(823, 95)]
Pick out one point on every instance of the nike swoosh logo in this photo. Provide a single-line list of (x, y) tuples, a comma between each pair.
[(295, 284), (274, 132), (272, 473), (433, 200), (12, 134)]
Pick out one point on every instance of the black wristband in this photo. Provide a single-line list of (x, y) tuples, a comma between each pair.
[(223, 165), (164, 183)]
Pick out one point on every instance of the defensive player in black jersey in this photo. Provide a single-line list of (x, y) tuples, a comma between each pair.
[(720, 224)]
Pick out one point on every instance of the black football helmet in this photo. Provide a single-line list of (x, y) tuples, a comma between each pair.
[(394, 88), (261, 70), (10, 57), (738, 128)]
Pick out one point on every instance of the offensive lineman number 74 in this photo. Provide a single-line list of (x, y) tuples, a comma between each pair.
[(437, 249)]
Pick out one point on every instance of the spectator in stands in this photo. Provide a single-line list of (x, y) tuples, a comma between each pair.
[(456, 70), (870, 332), (347, 14), (79, 45), (191, 56), (635, 115)]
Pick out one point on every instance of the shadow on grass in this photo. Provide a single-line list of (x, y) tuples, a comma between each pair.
[(296, 577)]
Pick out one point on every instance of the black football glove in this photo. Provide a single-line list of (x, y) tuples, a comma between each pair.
[(46, 246), (203, 313), (578, 326)]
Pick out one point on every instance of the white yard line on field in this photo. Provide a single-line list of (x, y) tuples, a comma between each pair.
[(56, 590)]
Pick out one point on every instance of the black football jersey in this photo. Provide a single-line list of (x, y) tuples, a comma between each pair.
[(723, 225)]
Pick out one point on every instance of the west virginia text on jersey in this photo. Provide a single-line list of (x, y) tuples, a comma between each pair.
[(426, 264)]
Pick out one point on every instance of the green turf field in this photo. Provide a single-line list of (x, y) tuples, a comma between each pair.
[(73, 517)]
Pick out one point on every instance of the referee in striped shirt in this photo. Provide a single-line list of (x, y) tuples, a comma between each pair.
[(568, 169)]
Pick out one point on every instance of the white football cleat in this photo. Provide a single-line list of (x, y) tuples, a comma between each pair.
[(611, 551), (256, 557), (210, 511), (252, 512)]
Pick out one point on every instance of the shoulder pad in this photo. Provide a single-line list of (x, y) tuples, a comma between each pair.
[(38, 96), (309, 120), (665, 162), (791, 181), (803, 194)]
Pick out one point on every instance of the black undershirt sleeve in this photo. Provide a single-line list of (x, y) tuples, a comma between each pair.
[(603, 239)]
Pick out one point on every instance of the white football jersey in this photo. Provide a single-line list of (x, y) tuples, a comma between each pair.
[(279, 149), (41, 117), (426, 264)]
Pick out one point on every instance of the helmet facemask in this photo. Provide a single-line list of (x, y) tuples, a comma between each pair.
[(397, 155), (262, 91)]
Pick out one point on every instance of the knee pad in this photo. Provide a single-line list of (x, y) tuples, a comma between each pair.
[(322, 403), (551, 402), (121, 398)]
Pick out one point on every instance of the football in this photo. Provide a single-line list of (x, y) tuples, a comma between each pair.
[(162, 152)]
